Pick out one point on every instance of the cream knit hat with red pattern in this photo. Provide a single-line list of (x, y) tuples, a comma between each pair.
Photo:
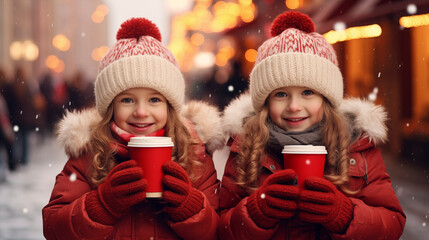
[(295, 56), (138, 59)]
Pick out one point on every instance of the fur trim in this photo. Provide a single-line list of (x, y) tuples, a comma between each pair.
[(235, 114), (74, 130), (364, 117), (207, 123)]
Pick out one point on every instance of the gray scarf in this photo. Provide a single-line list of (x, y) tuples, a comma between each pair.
[(280, 137)]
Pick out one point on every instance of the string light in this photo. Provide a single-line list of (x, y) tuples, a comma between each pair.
[(369, 31), (414, 21)]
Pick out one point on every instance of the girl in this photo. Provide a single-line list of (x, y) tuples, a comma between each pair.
[(100, 193), (296, 90)]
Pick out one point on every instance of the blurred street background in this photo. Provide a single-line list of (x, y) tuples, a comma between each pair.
[(50, 51)]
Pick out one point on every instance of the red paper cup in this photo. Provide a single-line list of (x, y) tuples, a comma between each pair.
[(151, 153), (305, 160)]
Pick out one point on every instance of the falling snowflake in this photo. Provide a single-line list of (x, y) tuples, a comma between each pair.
[(25, 210), (36, 129), (16, 128), (373, 96), (231, 88), (50, 165), (73, 177), (338, 26), (411, 9), (262, 195)]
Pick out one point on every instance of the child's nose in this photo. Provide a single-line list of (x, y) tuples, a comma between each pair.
[(141, 110), (294, 105)]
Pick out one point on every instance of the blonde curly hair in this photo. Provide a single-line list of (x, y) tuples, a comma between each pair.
[(335, 135), (103, 159)]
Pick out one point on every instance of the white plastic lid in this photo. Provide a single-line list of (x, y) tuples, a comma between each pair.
[(304, 149), (150, 142)]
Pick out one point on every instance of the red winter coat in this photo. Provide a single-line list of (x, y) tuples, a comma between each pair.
[(65, 216), (377, 212)]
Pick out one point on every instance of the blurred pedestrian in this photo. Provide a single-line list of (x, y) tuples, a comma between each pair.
[(54, 91), (296, 90), (80, 92), (23, 113), (139, 91), (7, 136)]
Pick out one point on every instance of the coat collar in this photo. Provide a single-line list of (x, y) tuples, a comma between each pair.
[(73, 130), (364, 118)]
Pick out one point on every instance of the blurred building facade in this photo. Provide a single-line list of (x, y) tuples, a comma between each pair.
[(382, 46), (62, 36)]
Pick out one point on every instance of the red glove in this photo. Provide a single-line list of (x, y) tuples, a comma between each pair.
[(123, 187), (321, 202), (276, 199), (183, 200)]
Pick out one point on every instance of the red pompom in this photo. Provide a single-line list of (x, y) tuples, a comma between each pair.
[(291, 19), (137, 27)]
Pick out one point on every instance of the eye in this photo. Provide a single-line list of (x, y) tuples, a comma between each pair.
[(127, 100), (307, 92), (280, 94), (154, 100)]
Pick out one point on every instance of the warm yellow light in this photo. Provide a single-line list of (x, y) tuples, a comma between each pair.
[(369, 31), (250, 55), (98, 53), (97, 17), (247, 15), (61, 42), (221, 59), (245, 2), (292, 4), (15, 50), (414, 21), (103, 9), (31, 51), (204, 60), (60, 67), (52, 61), (197, 39)]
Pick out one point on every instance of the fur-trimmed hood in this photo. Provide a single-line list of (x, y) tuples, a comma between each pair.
[(73, 131), (363, 117)]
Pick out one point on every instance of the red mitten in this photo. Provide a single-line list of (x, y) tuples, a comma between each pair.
[(123, 187), (183, 200), (276, 199), (321, 202)]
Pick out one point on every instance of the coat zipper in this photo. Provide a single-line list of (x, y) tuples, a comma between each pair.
[(365, 177)]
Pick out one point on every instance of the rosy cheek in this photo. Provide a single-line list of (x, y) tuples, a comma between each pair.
[(274, 112), (320, 114)]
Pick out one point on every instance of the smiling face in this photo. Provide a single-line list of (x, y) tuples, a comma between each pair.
[(295, 108), (140, 111)]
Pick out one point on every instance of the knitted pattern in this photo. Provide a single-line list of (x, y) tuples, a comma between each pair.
[(295, 57), (275, 199), (321, 202), (183, 200), (138, 59)]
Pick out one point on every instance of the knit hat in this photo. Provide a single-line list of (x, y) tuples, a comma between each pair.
[(295, 56), (138, 59)]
